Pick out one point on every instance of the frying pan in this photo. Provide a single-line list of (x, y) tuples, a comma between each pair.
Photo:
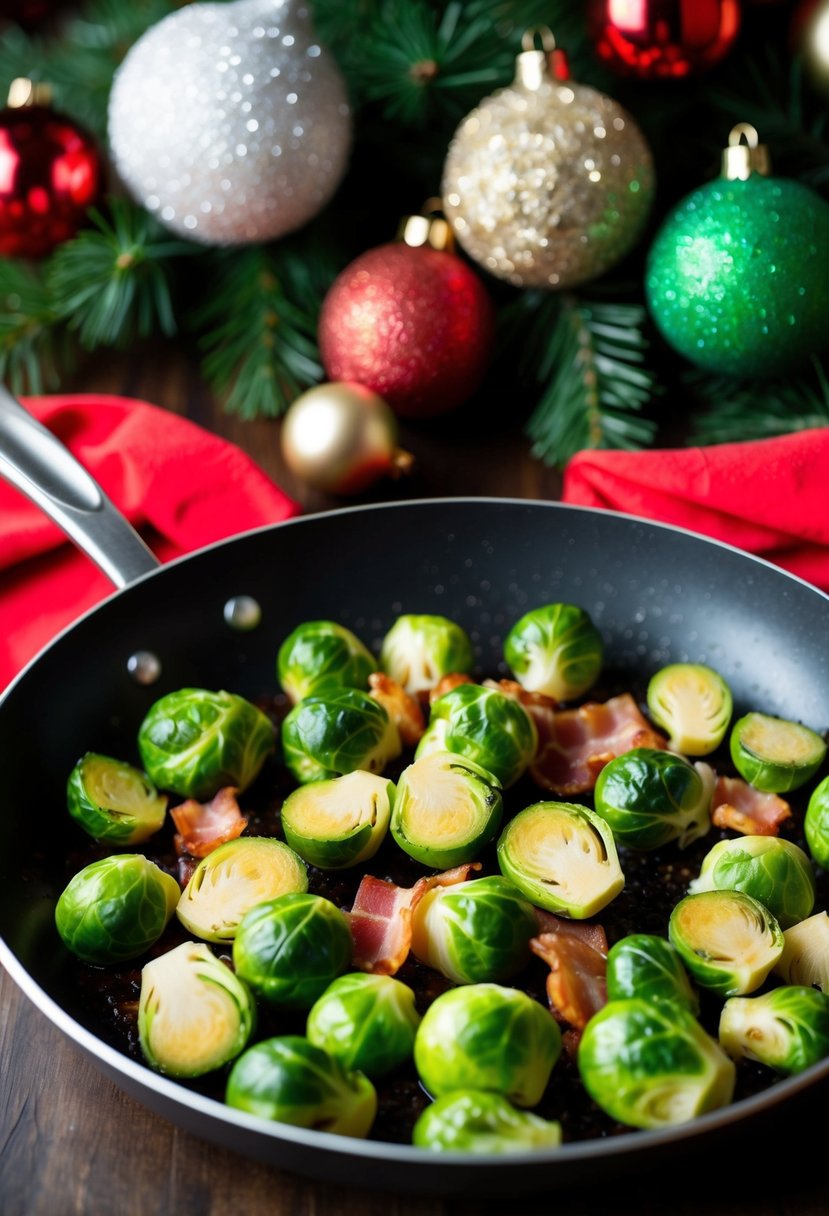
[(657, 594)]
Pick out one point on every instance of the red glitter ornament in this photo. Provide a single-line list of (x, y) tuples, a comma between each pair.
[(409, 321), (657, 39)]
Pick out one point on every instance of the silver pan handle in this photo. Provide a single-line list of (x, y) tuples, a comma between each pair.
[(38, 464)]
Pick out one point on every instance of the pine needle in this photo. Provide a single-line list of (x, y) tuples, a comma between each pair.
[(29, 338), (759, 409)]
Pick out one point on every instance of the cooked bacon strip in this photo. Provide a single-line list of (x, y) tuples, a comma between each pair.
[(739, 806), (550, 924), (401, 707), (447, 683), (203, 826), (577, 957)]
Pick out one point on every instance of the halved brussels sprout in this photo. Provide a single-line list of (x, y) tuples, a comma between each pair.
[(774, 871), (483, 725), (563, 857), (113, 801), (289, 949), (774, 754), (338, 823), (194, 1014), (233, 879), (336, 732), (805, 957), (474, 1121), (115, 908), (556, 650), (419, 650), (693, 703), (787, 1028), (728, 941), (816, 824), (445, 810), (322, 654), (292, 1081), (644, 965), (484, 1036), (194, 742), (649, 797), (474, 931), (367, 1021), (650, 1064)]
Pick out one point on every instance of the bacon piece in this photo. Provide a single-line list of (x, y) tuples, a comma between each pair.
[(203, 826), (582, 741), (577, 957), (447, 683), (739, 806), (401, 707)]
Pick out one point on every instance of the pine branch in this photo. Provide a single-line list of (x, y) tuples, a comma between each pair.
[(759, 409), (29, 335)]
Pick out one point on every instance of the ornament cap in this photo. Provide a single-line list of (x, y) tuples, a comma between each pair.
[(533, 66), (428, 228), (26, 92), (740, 160)]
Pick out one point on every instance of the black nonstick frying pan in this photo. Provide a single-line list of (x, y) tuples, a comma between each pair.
[(657, 594)]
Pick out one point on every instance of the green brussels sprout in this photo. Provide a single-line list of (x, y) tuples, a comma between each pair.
[(289, 949), (650, 1064), (644, 965), (562, 857), (484, 725), (816, 824), (805, 957), (292, 1081), (322, 654), (194, 1014), (116, 908), (446, 808), (648, 797), (418, 651), (694, 704), (728, 941), (367, 1021), (233, 879), (474, 931), (194, 742), (336, 732), (774, 871), (556, 650), (338, 823), (773, 754), (787, 1028), (113, 801), (484, 1036), (475, 1121)]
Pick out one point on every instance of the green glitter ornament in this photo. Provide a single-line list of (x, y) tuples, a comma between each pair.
[(737, 278)]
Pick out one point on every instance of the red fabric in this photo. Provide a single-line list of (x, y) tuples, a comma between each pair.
[(769, 496), (179, 485)]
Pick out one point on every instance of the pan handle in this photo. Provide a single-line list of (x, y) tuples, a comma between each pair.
[(38, 464)]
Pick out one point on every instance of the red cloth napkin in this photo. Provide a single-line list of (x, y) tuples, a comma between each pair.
[(179, 485), (769, 496)]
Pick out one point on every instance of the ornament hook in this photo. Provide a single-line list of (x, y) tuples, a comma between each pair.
[(740, 160), (548, 39), (741, 129)]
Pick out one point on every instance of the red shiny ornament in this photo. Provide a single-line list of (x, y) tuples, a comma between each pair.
[(50, 173), (658, 39), (414, 324)]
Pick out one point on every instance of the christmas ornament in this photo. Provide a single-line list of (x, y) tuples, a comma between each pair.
[(230, 122), (810, 37), (655, 39), (341, 438), (50, 173), (547, 183), (411, 321), (737, 276)]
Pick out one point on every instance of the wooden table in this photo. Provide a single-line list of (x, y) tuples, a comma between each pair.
[(71, 1143)]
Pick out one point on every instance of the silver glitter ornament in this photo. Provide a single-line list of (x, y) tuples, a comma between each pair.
[(229, 122), (548, 183)]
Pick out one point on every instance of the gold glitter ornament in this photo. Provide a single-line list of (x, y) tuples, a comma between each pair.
[(548, 183)]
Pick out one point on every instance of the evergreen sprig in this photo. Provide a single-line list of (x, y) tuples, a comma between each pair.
[(759, 409), (29, 333)]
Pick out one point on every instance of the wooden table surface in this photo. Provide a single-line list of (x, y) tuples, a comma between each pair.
[(72, 1143)]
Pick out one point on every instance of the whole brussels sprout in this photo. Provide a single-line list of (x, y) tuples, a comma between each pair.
[(337, 732), (728, 941), (475, 1121), (774, 871), (116, 908), (555, 650), (419, 650), (483, 1036), (646, 966), (805, 957), (113, 801), (774, 754), (650, 1064), (367, 1021), (322, 654), (338, 823), (648, 797), (484, 725), (446, 808), (289, 949), (292, 1081), (194, 742), (786, 1029), (693, 703), (194, 1014), (474, 931), (816, 824)]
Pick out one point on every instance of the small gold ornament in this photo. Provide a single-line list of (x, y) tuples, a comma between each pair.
[(548, 183), (341, 438)]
